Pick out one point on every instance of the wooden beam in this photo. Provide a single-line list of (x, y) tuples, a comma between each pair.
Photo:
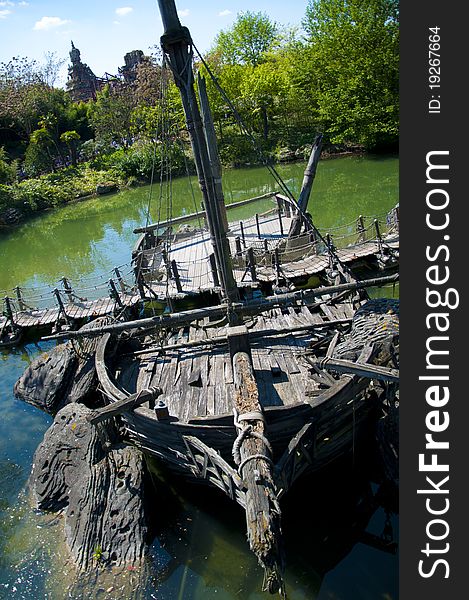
[(370, 371), (123, 405), (200, 214), (306, 297)]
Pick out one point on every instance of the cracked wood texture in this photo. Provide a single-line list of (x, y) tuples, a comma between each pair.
[(262, 509), (97, 483)]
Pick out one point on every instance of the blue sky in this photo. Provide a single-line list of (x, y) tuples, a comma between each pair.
[(104, 30)]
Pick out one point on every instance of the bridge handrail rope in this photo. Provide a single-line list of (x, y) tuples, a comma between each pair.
[(387, 222)]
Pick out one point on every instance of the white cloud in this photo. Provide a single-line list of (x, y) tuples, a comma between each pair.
[(123, 11), (4, 14), (184, 12), (116, 23), (23, 3), (7, 4), (47, 23), (224, 13)]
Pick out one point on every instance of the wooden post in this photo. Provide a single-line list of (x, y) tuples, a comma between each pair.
[(139, 275), (239, 250), (280, 220), (378, 235), (241, 226), (252, 454), (68, 289), (177, 46), (161, 409), (278, 270), (213, 268), (167, 264), (238, 340), (396, 217), (114, 294), (19, 298), (330, 250), (361, 229), (61, 305), (119, 279), (177, 280), (251, 263), (8, 310), (280, 204), (258, 227), (212, 147)]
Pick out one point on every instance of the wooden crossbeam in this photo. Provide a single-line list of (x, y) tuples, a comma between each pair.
[(370, 371), (124, 405)]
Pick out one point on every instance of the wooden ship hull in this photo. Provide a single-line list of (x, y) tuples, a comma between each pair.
[(250, 408)]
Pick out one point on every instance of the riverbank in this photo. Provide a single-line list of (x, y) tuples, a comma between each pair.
[(114, 172)]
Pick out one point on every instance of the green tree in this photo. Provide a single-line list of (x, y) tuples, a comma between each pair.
[(110, 116), (243, 57), (352, 65), (71, 139), (263, 91), (248, 40), (25, 95)]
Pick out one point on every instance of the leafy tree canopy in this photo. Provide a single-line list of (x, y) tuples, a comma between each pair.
[(247, 41), (353, 67)]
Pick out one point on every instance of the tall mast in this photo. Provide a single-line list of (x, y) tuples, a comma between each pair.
[(177, 45)]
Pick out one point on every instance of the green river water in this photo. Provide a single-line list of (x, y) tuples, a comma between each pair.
[(201, 550)]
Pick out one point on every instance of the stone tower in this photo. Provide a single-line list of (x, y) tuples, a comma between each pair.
[(132, 60), (82, 83)]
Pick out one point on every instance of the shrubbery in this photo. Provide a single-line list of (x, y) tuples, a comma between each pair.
[(116, 169)]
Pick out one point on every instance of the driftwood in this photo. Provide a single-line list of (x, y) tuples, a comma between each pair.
[(370, 371), (98, 484), (124, 405)]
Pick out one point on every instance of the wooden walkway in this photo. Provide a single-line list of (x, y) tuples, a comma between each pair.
[(74, 311), (263, 234), (190, 250)]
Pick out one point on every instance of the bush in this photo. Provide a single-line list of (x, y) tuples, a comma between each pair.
[(144, 157), (6, 197), (7, 170), (236, 150)]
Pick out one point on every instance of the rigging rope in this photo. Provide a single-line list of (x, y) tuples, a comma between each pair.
[(244, 128)]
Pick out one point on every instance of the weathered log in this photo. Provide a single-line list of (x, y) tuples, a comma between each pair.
[(252, 454), (98, 484), (306, 186)]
